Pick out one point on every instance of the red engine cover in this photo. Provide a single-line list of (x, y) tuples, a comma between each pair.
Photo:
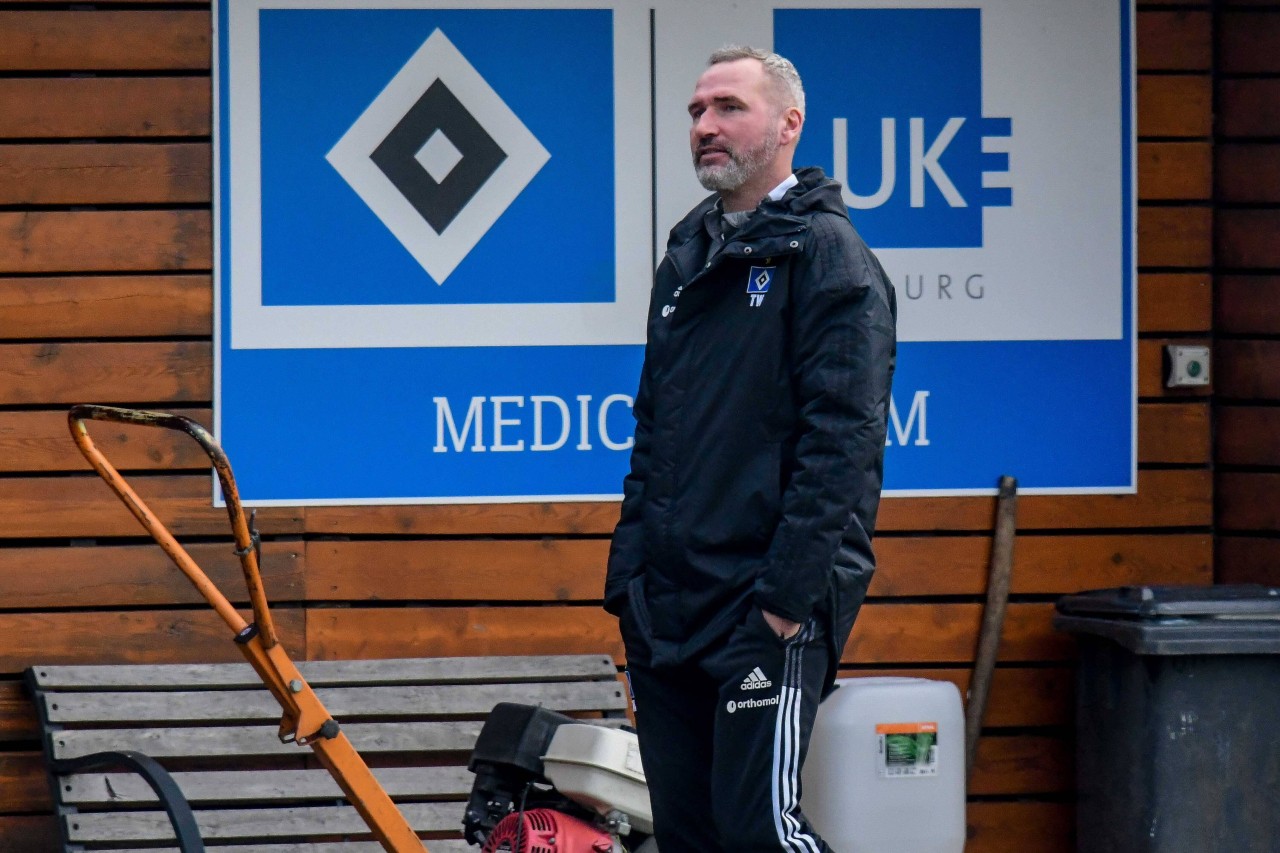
[(546, 831)]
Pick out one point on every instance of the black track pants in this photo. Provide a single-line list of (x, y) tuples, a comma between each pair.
[(723, 739)]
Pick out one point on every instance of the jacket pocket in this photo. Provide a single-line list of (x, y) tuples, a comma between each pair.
[(638, 610), (757, 624)]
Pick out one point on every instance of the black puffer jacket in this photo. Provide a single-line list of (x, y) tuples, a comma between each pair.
[(760, 428)]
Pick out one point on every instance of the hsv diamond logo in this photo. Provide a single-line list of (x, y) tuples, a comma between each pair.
[(895, 114), (438, 156)]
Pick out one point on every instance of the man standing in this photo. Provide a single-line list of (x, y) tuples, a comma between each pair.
[(744, 548)]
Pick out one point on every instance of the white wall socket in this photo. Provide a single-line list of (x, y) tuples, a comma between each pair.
[(1186, 366)]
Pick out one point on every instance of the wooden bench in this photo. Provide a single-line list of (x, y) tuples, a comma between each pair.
[(213, 727)]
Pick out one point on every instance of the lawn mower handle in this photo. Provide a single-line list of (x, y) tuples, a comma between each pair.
[(246, 539), (305, 720)]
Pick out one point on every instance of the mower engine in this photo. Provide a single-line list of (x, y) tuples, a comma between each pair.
[(546, 783), (546, 831)]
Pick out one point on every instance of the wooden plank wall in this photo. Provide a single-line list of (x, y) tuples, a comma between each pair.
[(1247, 300), (105, 297)]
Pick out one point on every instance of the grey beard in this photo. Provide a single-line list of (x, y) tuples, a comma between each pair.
[(740, 168)]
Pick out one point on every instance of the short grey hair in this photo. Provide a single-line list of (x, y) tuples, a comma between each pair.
[(779, 69)]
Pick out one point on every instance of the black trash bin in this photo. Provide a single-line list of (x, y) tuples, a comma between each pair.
[(1177, 718)]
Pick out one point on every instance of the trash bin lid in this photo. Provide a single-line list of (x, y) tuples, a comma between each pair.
[(1154, 602), (1178, 620)]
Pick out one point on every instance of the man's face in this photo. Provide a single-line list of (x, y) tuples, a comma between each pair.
[(736, 124)]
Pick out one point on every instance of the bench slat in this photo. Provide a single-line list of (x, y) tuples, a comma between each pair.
[(230, 786), (255, 741), (342, 702), (254, 824), (329, 673), (443, 845)]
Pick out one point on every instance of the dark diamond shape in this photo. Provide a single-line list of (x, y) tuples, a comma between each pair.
[(438, 202)]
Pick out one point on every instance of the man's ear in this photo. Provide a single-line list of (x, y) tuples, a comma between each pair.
[(792, 124)]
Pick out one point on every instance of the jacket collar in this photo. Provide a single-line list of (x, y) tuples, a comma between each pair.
[(812, 193)]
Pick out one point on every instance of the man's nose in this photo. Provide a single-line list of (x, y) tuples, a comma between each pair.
[(704, 127)]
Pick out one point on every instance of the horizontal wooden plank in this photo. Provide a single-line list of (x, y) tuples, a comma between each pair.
[(1248, 108), (97, 107), (34, 833), (1249, 41), (1175, 302), (1151, 371), (1020, 697), (369, 702), (1164, 499), (1247, 369), (1248, 559), (1174, 433), (1247, 435), (1175, 106), (105, 241), (946, 565), (39, 441), (105, 306), (1170, 171), (104, 576), (519, 570), (1175, 236), (1247, 237), (17, 715), (84, 507), (1248, 305), (884, 633), (1175, 41), (573, 570), (329, 673), (358, 632), (104, 40), (926, 633), (1021, 765), (129, 636), (1019, 827), (241, 742), (230, 786), (1180, 40), (24, 785), (1247, 172), (466, 519), (44, 373), (126, 173), (1248, 501)]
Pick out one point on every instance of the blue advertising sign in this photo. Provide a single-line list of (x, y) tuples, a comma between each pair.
[(432, 284), (436, 225)]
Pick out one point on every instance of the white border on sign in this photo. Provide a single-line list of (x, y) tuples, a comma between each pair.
[(622, 321)]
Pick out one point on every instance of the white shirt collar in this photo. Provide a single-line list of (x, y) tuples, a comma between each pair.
[(781, 189)]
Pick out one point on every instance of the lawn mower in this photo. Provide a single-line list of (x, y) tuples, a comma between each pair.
[(545, 782)]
